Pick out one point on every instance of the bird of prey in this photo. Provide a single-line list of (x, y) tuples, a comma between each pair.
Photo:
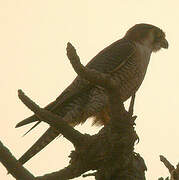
[(126, 60)]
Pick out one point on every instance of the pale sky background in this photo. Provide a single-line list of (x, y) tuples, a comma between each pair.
[(33, 38)]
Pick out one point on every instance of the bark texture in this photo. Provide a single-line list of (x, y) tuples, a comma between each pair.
[(174, 172)]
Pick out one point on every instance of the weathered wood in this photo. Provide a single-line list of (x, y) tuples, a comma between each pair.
[(111, 151), (13, 166), (174, 172)]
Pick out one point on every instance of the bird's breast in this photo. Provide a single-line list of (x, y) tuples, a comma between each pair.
[(142, 57), (131, 75)]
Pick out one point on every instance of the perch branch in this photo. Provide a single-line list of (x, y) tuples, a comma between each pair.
[(115, 141), (64, 174), (91, 75), (110, 151)]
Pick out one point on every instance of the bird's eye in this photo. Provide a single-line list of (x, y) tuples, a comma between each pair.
[(159, 35), (158, 38)]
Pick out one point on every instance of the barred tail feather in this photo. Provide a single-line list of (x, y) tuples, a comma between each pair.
[(42, 142)]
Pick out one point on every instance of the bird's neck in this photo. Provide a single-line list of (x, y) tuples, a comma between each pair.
[(146, 44)]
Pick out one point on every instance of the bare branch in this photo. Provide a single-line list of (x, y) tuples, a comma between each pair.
[(13, 166), (111, 150), (167, 164), (71, 171), (91, 75), (174, 172)]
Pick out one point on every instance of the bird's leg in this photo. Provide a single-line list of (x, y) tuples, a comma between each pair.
[(131, 106)]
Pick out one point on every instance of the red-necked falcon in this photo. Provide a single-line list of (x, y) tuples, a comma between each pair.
[(126, 60)]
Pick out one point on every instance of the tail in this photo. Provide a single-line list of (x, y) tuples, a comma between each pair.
[(43, 141), (34, 118), (28, 120)]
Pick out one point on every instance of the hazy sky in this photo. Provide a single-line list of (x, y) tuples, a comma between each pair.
[(33, 37)]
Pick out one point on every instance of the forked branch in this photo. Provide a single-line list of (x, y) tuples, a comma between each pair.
[(111, 151)]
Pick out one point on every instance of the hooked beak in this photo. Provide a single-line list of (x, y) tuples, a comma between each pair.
[(164, 44)]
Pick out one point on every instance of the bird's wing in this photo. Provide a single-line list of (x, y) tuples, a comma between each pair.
[(107, 61)]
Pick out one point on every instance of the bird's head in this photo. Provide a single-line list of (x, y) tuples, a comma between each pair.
[(148, 35)]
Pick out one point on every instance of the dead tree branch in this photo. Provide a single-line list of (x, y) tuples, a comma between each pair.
[(111, 151), (174, 172), (13, 166)]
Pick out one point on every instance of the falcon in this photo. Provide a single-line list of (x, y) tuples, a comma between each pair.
[(126, 60)]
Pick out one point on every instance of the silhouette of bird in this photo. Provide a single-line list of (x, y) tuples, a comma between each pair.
[(126, 60)]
